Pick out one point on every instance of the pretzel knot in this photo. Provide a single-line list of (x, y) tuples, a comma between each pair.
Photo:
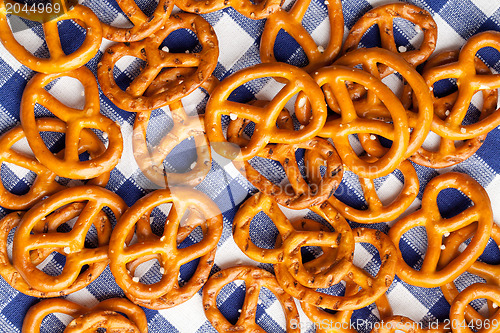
[(83, 202), (448, 154), (490, 273), (255, 279), (291, 22), (264, 117), (58, 60), (469, 81), (293, 240), (376, 211), (77, 121), (430, 275), (383, 17), (153, 88), (255, 9), (185, 127), (471, 293), (190, 209), (143, 26), (372, 287), (114, 315), (350, 123)]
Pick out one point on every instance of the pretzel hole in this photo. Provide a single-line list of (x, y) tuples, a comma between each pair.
[(18, 24), (158, 218), (126, 69), (287, 49), (181, 41), (452, 202), (148, 272), (230, 300), (367, 257), (263, 232), (406, 35), (67, 90), (53, 264), (15, 179), (489, 56), (182, 158), (444, 87), (371, 38), (474, 110), (413, 246), (55, 323), (72, 35)]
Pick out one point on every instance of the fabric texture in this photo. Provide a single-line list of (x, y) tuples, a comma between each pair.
[(239, 39)]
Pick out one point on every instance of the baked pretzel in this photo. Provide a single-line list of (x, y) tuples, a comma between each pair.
[(264, 117), (349, 123), (491, 273), (419, 119), (76, 120), (448, 154), (376, 211), (151, 163), (190, 208), (292, 240), (136, 97), (256, 9), (461, 302), (255, 279), (372, 288), (108, 314), (72, 243), (430, 275), (58, 60), (383, 17), (301, 192), (143, 26), (291, 22), (45, 182), (398, 324), (469, 81)]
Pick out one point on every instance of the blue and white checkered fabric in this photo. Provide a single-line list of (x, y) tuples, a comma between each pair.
[(239, 39)]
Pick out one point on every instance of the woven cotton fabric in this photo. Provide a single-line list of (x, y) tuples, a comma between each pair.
[(239, 39)]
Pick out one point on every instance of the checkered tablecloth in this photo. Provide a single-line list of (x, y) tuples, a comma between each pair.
[(239, 39)]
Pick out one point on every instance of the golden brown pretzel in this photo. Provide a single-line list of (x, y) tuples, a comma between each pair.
[(491, 273), (44, 183), (255, 279), (376, 211), (300, 192), (476, 291), (292, 240), (72, 243), (448, 154), (399, 324), (372, 287), (264, 117), (58, 61), (76, 121), (190, 208), (136, 97), (151, 163), (143, 26), (350, 123), (384, 16), (469, 82), (430, 275), (255, 9), (109, 313), (291, 22)]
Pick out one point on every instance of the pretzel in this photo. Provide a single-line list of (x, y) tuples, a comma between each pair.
[(72, 243), (107, 314), (143, 26), (486, 271), (291, 22), (383, 17), (256, 10), (350, 123), (293, 240), (372, 287), (398, 324), (190, 208), (76, 121), (469, 82), (461, 302), (264, 117), (136, 97), (151, 163), (376, 211), (430, 275), (58, 60), (255, 279), (448, 154), (299, 193)]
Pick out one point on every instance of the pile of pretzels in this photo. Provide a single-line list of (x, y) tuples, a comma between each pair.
[(344, 119)]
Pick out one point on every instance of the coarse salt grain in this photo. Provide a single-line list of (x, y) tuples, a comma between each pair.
[(165, 49), (372, 137), (463, 130), (321, 49), (193, 165), (162, 270), (233, 116), (135, 279), (443, 247), (402, 48), (162, 238), (67, 250), (446, 234), (447, 113)]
